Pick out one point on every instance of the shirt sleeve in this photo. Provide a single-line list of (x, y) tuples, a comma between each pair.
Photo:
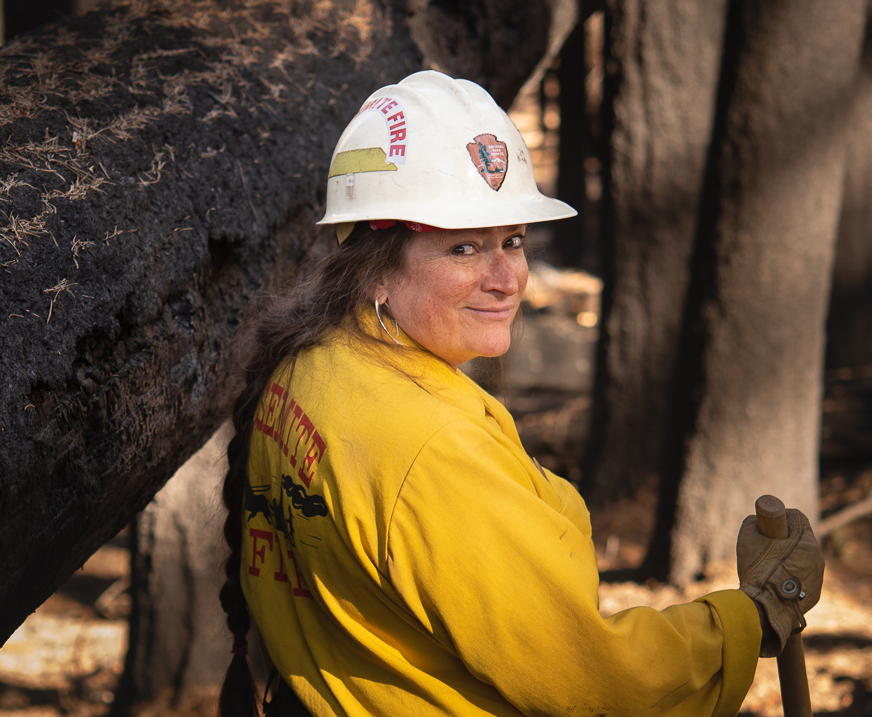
[(509, 584)]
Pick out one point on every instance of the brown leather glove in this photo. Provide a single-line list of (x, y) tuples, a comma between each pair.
[(784, 575)]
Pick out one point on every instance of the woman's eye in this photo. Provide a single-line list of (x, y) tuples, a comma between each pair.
[(515, 242), (463, 249)]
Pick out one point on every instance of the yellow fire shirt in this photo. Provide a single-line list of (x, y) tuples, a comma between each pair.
[(404, 556)]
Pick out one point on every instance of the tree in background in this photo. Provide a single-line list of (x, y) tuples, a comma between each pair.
[(849, 324), (662, 60), (727, 161)]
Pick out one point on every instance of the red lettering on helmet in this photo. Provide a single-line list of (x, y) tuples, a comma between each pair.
[(397, 150), (398, 116)]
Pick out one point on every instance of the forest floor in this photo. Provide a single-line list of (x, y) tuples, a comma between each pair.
[(68, 656)]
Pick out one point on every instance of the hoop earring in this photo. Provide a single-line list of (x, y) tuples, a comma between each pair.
[(382, 323)]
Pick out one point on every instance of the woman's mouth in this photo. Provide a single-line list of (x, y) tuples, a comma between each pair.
[(493, 314)]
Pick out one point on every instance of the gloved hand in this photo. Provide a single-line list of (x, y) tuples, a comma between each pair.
[(784, 575)]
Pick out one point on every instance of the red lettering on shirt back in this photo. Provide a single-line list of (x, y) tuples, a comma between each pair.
[(288, 424), (306, 429), (300, 590), (280, 417), (281, 575), (315, 452), (261, 553), (274, 395)]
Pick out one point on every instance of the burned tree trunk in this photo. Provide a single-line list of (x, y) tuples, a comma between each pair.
[(750, 364), (661, 81), (178, 640), (161, 165), (849, 325), (846, 433)]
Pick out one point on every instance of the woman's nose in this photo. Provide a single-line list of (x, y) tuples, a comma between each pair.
[(501, 275)]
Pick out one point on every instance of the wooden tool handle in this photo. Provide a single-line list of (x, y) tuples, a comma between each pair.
[(795, 699)]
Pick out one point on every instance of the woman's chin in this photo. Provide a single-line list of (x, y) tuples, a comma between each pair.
[(467, 345), (494, 348)]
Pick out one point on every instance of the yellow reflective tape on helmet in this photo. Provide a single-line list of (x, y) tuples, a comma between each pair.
[(343, 229), (369, 159)]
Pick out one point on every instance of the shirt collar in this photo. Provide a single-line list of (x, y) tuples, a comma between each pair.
[(433, 374)]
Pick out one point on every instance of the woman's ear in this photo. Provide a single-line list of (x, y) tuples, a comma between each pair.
[(382, 291), (374, 287)]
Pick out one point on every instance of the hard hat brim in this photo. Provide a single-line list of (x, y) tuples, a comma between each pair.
[(524, 210)]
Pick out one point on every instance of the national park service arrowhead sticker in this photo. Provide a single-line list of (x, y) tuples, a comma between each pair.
[(490, 158)]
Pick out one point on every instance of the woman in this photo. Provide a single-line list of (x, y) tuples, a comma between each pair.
[(400, 552)]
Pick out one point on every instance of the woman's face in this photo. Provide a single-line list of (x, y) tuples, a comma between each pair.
[(460, 291)]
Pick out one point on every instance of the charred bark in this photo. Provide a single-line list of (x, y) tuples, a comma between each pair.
[(749, 373), (583, 145), (161, 166), (661, 74)]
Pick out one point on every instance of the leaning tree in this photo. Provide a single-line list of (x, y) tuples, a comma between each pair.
[(162, 165)]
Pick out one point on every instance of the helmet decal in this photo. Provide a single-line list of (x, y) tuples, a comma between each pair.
[(395, 118), (490, 158), (417, 152), (369, 159)]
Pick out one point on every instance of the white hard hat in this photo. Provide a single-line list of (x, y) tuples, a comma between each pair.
[(435, 151)]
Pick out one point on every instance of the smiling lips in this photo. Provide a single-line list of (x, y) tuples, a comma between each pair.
[(497, 314)]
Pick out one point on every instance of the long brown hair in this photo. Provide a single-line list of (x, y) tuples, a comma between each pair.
[(341, 283)]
